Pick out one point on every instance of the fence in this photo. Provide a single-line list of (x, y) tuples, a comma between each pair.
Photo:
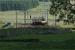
[(23, 18)]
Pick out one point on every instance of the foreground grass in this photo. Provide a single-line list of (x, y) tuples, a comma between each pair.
[(48, 41), (55, 37), (52, 45), (38, 33)]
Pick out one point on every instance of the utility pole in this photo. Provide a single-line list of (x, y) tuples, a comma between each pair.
[(24, 15), (47, 17), (16, 14)]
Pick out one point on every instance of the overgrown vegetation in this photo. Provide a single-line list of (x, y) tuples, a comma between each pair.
[(17, 4), (23, 33), (46, 38)]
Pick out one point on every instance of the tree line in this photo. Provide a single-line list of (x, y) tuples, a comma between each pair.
[(6, 5)]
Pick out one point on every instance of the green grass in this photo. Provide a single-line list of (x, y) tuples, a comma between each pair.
[(49, 41), (35, 34), (52, 45), (48, 37)]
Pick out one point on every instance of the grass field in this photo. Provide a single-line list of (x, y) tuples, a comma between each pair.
[(54, 40), (64, 41), (39, 33)]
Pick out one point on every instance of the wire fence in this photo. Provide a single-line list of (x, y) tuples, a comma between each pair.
[(22, 18)]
